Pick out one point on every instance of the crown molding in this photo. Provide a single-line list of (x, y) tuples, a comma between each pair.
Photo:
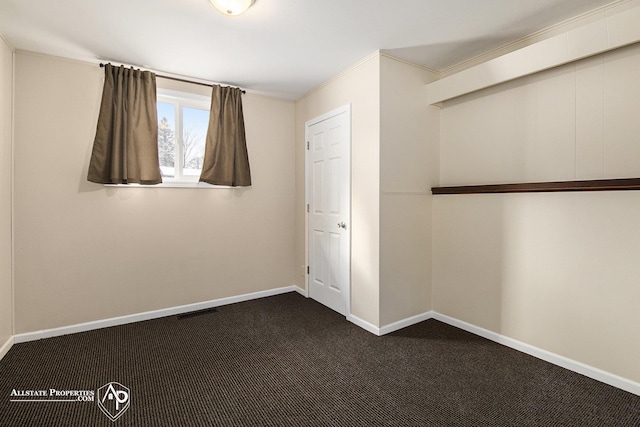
[(538, 36), (604, 32)]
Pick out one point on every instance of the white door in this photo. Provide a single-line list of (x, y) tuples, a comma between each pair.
[(329, 208)]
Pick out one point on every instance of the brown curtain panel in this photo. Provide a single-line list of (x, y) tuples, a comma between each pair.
[(125, 149), (226, 161)]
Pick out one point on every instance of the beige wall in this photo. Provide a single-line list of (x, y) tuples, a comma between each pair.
[(358, 86), (6, 100), (394, 162), (408, 170), (577, 121), (557, 271), (85, 252)]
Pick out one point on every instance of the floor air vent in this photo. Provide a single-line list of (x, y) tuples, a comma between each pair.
[(196, 313)]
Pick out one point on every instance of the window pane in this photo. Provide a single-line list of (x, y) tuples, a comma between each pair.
[(167, 139), (195, 122)]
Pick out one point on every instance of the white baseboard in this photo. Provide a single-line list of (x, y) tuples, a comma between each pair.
[(303, 292), (148, 315), (363, 324), (392, 327), (556, 359), (6, 347), (572, 365)]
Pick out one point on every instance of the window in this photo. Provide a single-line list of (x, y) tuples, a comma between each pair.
[(183, 119)]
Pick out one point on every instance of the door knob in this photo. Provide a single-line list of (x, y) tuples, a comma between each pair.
[(342, 225)]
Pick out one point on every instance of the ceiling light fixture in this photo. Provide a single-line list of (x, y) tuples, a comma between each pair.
[(232, 7)]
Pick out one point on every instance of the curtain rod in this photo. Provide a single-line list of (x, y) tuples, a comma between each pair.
[(180, 80)]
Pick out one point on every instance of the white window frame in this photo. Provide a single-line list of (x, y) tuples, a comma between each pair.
[(182, 100), (179, 99)]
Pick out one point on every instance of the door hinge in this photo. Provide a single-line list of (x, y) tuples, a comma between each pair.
[(307, 269), (307, 207), (307, 145)]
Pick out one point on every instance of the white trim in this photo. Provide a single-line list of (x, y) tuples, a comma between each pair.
[(4, 39), (392, 327), (535, 37), (364, 324), (372, 55), (188, 99), (175, 184), (335, 112), (610, 32), (301, 291), (6, 347), (556, 359), (306, 210), (148, 315), (385, 54), (13, 194)]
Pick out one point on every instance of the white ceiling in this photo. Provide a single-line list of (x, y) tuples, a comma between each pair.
[(283, 48)]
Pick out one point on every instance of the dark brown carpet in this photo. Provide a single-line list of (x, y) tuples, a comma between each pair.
[(288, 361)]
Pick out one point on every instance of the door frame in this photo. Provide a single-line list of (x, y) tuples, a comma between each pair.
[(340, 110)]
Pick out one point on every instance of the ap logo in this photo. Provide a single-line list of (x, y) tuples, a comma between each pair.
[(113, 400)]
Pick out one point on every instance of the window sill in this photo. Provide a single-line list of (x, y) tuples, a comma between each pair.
[(199, 185)]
